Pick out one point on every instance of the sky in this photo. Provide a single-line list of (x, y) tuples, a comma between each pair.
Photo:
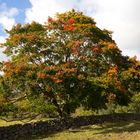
[(120, 16)]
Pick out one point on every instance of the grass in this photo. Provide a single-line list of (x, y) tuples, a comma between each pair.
[(5, 123), (106, 131), (8, 122)]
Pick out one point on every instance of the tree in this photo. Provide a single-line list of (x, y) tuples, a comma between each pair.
[(68, 60)]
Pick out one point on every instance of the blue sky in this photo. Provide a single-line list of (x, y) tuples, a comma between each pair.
[(20, 5), (17, 16), (120, 16)]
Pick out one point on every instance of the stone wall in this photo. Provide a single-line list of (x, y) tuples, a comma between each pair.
[(26, 131)]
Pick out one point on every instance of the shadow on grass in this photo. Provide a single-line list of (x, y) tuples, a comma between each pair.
[(105, 128), (118, 127), (96, 125)]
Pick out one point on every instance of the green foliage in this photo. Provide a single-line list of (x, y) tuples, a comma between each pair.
[(8, 109), (135, 103), (40, 106), (81, 111), (122, 109)]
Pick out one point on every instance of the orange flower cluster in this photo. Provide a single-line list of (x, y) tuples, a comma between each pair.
[(75, 47), (133, 59), (96, 49), (113, 70), (75, 50), (50, 20), (41, 75), (15, 39), (50, 68), (119, 85), (69, 25), (68, 70), (8, 65), (18, 70), (56, 80), (112, 46), (70, 21), (8, 69), (60, 73)]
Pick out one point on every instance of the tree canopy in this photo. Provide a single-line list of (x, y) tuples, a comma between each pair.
[(67, 62)]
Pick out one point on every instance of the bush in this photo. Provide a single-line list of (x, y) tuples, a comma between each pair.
[(40, 106), (122, 109), (81, 111), (135, 103), (8, 109)]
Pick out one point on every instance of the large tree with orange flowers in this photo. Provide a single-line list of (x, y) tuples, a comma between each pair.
[(68, 61)]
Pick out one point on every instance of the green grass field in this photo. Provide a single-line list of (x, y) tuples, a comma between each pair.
[(7, 123), (106, 131)]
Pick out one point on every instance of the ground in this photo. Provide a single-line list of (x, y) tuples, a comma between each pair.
[(106, 131)]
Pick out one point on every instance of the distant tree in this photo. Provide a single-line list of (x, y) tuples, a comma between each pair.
[(69, 61)]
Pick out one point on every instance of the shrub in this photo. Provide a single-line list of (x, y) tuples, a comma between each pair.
[(135, 103), (122, 109)]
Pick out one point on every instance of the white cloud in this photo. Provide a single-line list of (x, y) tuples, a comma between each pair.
[(41, 9), (7, 20), (7, 15), (120, 16), (2, 39), (2, 55)]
